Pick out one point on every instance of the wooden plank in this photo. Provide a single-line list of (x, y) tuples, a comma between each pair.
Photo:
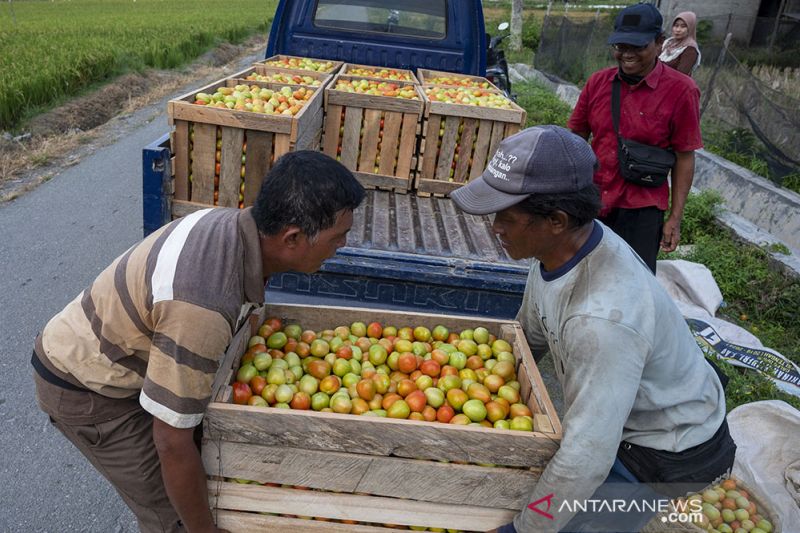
[(541, 422), (228, 117), (236, 348), (372, 180), (309, 126), (465, 150), (351, 138), (390, 142), (404, 220), (503, 488), (539, 391), (370, 101), (511, 129), (205, 149), (431, 149), (379, 436), (181, 208), (257, 163), (436, 187), (256, 498), (230, 173), (447, 150), (180, 147), (282, 146), (333, 123), (408, 145), (513, 115), (369, 140), (498, 130), (239, 522), (481, 155)]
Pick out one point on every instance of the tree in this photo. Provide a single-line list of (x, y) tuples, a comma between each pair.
[(516, 25)]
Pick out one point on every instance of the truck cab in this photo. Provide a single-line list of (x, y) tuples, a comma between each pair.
[(433, 34)]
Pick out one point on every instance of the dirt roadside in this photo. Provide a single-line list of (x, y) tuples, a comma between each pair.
[(63, 136)]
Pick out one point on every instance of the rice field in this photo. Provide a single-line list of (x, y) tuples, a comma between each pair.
[(51, 49)]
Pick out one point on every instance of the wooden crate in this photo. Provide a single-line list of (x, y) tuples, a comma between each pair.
[(280, 57), (458, 141), (369, 470), (321, 77), (425, 76), (410, 78), (221, 173), (375, 137)]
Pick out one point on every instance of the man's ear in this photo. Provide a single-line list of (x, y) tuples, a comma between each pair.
[(559, 221), (290, 236)]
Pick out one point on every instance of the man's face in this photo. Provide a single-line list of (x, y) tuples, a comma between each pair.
[(636, 60), (310, 255), (523, 235)]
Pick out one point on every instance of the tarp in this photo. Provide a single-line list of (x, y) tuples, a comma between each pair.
[(694, 290)]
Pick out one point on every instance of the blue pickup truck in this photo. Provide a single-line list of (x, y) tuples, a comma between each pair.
[(405, 251)]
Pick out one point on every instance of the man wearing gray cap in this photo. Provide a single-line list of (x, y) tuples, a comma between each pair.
[(641, 404)]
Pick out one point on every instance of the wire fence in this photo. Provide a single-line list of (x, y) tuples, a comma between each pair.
[(761, 103)]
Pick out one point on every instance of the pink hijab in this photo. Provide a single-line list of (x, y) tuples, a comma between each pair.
[(673, 47)]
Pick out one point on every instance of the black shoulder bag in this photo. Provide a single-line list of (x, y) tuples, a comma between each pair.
[(641, 164)]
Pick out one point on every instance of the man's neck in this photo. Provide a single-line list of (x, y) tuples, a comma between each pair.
[(568, 249)]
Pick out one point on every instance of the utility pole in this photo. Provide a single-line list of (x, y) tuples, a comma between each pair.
[(516, 25)]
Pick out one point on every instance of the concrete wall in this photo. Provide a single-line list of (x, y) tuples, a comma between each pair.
[(742, 22), (774, 209)]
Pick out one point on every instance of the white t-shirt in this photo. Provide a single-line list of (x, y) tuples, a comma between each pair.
[(628, 364)]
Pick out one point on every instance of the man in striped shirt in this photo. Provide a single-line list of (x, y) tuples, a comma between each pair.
[(125, 370)]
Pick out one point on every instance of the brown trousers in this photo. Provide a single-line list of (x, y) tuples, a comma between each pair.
[(116, 436)]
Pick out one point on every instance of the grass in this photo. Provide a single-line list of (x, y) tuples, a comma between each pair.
[(52, 50), (542, 105), (756, 297)]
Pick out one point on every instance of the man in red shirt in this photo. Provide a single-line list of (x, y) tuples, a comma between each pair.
[(660, 107)]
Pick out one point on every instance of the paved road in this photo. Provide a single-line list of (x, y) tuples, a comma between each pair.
[(53, 242)]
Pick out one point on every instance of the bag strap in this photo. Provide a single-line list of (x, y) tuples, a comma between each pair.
[(615, 90)]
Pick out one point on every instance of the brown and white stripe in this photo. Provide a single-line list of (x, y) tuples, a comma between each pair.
[(156, 321)]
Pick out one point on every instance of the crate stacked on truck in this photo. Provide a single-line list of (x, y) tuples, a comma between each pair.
[(409, 245)]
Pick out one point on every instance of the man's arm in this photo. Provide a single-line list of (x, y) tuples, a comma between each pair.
[(602, 376), (184, 476), (682, 177)]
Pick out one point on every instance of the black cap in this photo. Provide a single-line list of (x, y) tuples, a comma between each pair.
[(637, 25)]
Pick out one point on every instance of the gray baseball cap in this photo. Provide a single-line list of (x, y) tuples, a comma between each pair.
[(537, 160)]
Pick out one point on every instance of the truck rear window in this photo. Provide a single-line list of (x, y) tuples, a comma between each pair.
[(414, 18)]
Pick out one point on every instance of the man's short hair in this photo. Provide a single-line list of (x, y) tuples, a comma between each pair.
[(306, 189), (581, 206)]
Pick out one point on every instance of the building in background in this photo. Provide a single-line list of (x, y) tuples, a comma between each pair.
[(750, 21)]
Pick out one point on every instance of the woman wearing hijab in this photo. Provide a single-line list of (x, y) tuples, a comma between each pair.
[(681, 51)]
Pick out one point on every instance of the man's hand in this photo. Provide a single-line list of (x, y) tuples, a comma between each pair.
[(184, 476), (671, 235)]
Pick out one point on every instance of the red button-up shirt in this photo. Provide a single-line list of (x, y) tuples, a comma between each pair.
[(662, 110)]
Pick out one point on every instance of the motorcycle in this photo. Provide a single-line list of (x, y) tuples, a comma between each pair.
[(496, 64)]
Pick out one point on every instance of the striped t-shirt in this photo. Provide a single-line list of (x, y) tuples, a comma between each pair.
[(157, 320)]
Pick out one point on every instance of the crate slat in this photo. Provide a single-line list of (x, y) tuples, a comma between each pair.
[(236, 521), (333, 124), (431, 481), (180, 140), (467, 139), (351, 138), (369, 140), (408, 145), (390, 143), (230, 174), (257, 163), (203, 163), (249, 497), (447, 150)]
